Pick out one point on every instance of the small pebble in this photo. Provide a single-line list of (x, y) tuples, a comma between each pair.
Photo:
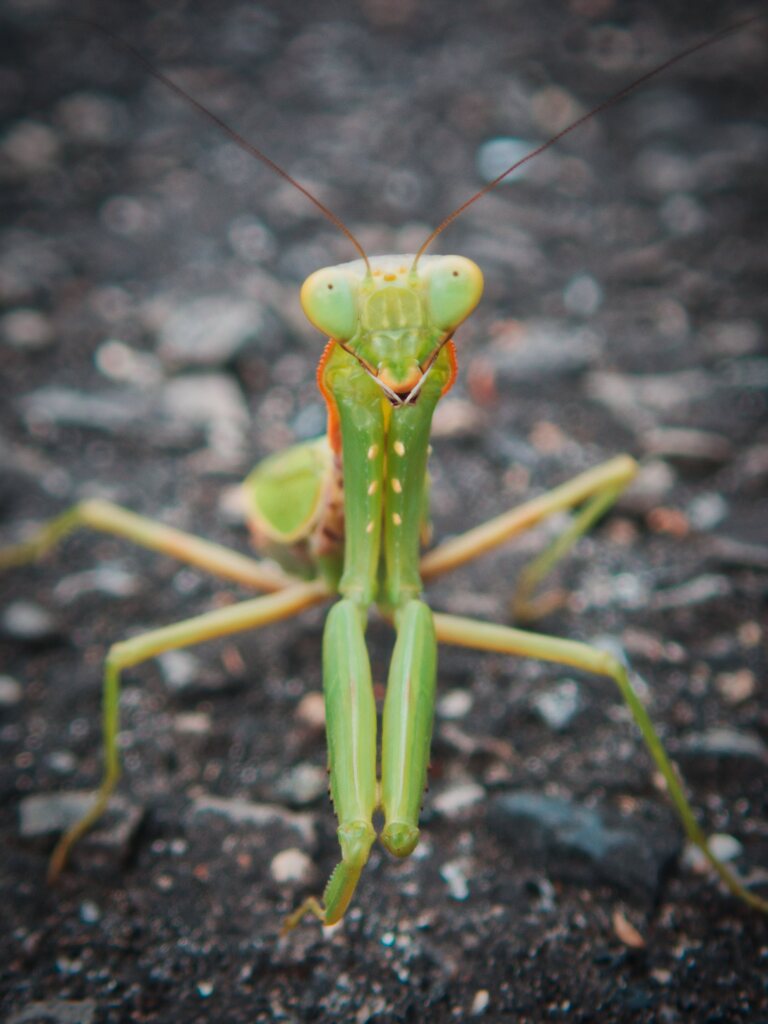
[(668, 520), (252, 240), (455, 704), (671, 320), (724, 743), (26, 329), (626, 931), (736, 337), (112, 303), (480, 1002), (724, 847), (554, 109), (664, 170), (260, 815), (62, 761), (180, 669), (108, 579), (302, 785), (91, 117), (108, 411), (682, 214), (640, 399), (208, 332), (292, 866), (44, 813), (69, 965), (128, 216), (452, 803), (121, 363), (582, 295), (558, 705), (601, 589), (457, 418), (232, 505), (213, 401), (29, 262), (652, 485), (23, 620), (547, 438), (695, 592), (454, 875), (205, 988), (680, 445), (736, 687), (193, 723), (496, 155), (10, 691), (750, 635), (90, 912), (56, 1011), (707, 511), (31, 145), (542, 350), (311, 710)]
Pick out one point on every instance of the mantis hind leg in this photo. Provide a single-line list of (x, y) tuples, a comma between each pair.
[(592, 493), (259, 611), (487, 636), (148, 533)]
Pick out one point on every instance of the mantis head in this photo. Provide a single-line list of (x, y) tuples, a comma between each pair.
[(393, 315)]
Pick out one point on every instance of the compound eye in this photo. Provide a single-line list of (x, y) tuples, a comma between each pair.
[(329, 300), (454, 287)]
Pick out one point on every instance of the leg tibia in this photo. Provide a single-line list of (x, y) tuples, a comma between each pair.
[(488, 636), (110, 725)]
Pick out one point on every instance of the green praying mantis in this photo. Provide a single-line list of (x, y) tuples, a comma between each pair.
[(342, 519)]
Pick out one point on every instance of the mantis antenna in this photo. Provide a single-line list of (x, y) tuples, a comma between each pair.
[(709, 41), (230, 132)]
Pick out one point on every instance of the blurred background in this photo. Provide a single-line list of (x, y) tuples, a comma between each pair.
[(152, 349)]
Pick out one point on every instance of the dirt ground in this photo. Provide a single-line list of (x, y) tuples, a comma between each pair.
[(152, 350)]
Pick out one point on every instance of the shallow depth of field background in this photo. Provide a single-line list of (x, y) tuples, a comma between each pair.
[(152, 350)]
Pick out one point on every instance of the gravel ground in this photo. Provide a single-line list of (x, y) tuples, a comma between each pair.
[(152, 349)]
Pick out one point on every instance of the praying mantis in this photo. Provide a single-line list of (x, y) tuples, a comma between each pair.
[(343, 517)]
